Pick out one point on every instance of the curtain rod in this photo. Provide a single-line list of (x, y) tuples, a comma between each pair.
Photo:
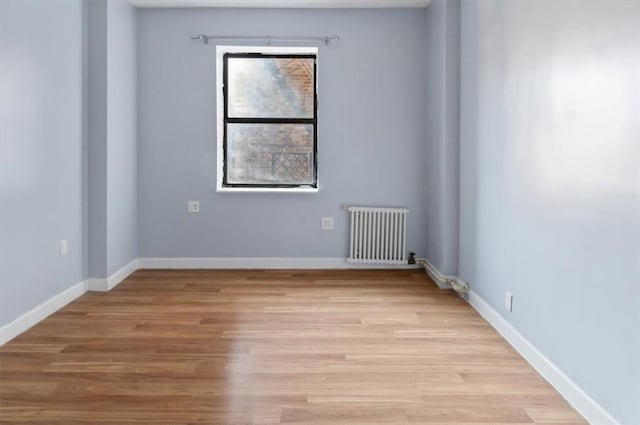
[(267, 39)]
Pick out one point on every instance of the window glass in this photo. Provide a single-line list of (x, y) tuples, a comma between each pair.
[(270, 154), (270, 120), (270, 87)]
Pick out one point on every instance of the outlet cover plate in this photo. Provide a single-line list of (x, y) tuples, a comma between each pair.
[(327, 223), (64, 247), (193, 206), (508, 301)]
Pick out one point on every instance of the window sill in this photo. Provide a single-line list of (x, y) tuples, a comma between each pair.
[(267, 190)]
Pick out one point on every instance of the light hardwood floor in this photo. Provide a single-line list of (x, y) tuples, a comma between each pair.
[(269, 347)]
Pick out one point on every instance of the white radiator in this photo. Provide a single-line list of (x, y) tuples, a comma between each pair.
[(378, 235)]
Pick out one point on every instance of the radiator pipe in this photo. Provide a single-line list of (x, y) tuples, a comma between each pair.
[(444, 282)]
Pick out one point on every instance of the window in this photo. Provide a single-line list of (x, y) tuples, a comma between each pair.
[(267, 119)]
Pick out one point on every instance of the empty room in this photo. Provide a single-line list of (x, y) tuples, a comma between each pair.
[(319, 212)]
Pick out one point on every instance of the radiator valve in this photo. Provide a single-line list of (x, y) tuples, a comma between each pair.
[(412, 258)]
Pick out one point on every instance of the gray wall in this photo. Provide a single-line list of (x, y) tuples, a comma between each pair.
[(40, 151), (112, 170), (371, 124), (122, 149), (442, 76), (550, 182), (97, 137)]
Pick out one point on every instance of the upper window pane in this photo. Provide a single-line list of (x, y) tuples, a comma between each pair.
[(264, 87)]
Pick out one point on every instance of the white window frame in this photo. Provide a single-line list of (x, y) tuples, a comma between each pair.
[(220, 52)]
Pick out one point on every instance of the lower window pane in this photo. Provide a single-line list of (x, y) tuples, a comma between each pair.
[(270, 154)]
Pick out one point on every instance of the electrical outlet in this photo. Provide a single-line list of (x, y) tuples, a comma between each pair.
[(193, 206), (508, 301), (64, 247), (327, 223)]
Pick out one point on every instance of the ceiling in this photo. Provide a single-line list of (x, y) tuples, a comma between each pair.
[(325, 4)]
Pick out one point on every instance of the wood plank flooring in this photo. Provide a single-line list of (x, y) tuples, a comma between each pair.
[(271, 347)]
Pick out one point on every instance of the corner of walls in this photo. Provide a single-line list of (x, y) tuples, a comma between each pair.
[(85, 140), (97, 138), (121, 146), (442, 134), (107, 284), (451, 152), (112, 137)]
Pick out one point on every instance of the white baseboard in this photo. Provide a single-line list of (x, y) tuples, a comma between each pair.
[(580, 400), (55, 303), (40, 312), (261, 263), (104, 285)]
